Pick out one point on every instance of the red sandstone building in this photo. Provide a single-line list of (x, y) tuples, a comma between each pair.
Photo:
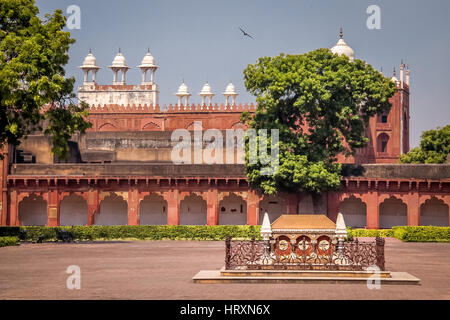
[(121, 172)]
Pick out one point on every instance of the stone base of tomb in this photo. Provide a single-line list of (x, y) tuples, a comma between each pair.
[(303, 276)]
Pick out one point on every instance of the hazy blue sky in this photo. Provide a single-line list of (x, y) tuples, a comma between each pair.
[(199, 41)]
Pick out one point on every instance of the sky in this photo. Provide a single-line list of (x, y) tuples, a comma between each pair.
[(200, 41)]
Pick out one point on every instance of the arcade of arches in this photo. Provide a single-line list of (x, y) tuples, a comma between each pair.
[(371, 206)]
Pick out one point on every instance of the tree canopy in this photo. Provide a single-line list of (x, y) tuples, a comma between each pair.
[(321, 104), (34, 93), (434, 147)]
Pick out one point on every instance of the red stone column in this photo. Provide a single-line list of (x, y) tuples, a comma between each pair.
[(333, 205), (373, 213), (291, 203), (3, 207), (53, 208), (212, 215), (14, 208), (173, 207), (447, 202), (412, 202), (3, 186), (252, 208), (133, 207), (93, 206)]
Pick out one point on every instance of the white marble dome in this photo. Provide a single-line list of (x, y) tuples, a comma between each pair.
[(341, 48), (183, 89), (119, 61), (89, 61), (206, 90), (230, 89), (148, 61)]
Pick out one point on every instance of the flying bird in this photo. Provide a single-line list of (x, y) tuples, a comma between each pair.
[(246, 34)]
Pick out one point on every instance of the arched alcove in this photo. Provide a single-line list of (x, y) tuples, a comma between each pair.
[(354, 211), (275, 206), (393, 212), (434, 212), (73, 211), (193, 210), (383, 143), (232, 210), (113, 211), (153, 210), (33, 211)]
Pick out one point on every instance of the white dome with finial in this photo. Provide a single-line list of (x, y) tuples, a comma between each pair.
[(183, 89), (394, 77), (206, 90), (119, 61), (341, 48), (148, 61), (230, 89), (89, 61)]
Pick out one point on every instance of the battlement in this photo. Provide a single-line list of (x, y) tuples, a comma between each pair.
[(116, 87), (191, 108)]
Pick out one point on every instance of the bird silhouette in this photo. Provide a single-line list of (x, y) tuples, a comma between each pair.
[(246, 34)]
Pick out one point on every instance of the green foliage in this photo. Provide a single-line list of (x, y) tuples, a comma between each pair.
[(9, 241), (321, 104), (423, 234), (370, 233), (407, 233), (33, 90), (88, 233), (434, 147), (9, 231)]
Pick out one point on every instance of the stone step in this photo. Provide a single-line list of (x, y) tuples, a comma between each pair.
[(215, 277), (302, 273)]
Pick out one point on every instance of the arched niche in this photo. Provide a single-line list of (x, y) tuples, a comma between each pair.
[(393, 212), (153, 210), (275, 206), (354, 211), (383, 143), (33, 211), (434, 212), (233, 210), (73, 211), (193, 210), (113, 211)]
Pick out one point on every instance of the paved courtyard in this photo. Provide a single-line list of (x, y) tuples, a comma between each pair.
[(164, 269)]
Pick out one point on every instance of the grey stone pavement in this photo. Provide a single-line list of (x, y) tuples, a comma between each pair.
[(164, 270)]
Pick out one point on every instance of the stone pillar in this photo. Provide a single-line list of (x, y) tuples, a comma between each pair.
[(53, 208), (93, 206), (212, 215), (14, 208), (333, 205), (173, 207), (133, 207), (373, 212), (4, 163), (292, 203), (252, 208), (413, 207), (447, 202)]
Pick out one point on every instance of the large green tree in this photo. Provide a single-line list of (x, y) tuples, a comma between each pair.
[(321, 104), (34, 93), (434, 147)]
